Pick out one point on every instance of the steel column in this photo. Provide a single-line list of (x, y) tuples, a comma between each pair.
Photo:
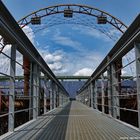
[(109, 84), (60, 99), (51, 96), (85, 96), (35, 90), (115, 91), (54, 92), (103, 93), (57, 96), (31, 92), (89, 96), (45, 95), (12, 89), (95, 94), (39, 91), (91, 93), (137, 54)]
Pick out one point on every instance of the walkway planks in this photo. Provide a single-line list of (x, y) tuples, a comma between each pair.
[(74, 122)]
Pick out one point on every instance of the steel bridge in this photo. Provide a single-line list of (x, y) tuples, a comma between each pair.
[(106, 108)]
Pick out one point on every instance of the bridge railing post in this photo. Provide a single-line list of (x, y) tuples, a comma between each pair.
[(95, 94), (56, 96), (11, 117), (36, 78), (109, 90), (91, 94), (137, 57), (31, 92), (60, 98), (83, 97), (56, 92), (39, 92), (115, 91), (86, 96), (45, 93), (103, 93), (51, 95)]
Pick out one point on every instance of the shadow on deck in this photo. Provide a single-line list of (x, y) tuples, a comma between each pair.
[(75, 121), (47, 127)]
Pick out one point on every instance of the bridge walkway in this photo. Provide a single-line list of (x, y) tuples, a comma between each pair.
[(74, 121)]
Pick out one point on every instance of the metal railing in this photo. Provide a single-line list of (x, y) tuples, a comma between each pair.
[(24, 99), (106, 90)]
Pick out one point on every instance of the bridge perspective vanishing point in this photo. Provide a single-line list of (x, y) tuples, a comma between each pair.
[(36, 104)]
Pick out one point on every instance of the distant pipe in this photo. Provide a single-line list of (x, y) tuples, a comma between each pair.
[(26, 67)]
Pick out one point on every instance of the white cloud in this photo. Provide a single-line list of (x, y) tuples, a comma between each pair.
[(45, 31), (52, 57), (4, 61), (56, 66), (30, 34), (124, 72), (65, 41), (54, 60), (98, 34), (84, 72)]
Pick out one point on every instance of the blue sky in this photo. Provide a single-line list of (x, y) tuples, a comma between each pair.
[(73, 49)]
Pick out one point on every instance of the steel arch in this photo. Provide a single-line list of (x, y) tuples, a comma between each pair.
[(77, 8)]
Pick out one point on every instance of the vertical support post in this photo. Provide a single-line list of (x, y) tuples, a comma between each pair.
[(86, 96), (12, 89), (39, 91), (95, 94), (137, 57), (109, 90), (57, 96), (31, 92), (91, 94), (115, 91), (103, 93), (60, 98), (93, 84), (35, 91), (54, 92), (51, 95), (83, 101), (45, 96), (64, 99)]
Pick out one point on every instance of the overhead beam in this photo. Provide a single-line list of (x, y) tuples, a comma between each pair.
[(4, 78)]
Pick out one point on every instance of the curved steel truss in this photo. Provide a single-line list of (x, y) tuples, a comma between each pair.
[(55, 15), (81, 9)]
